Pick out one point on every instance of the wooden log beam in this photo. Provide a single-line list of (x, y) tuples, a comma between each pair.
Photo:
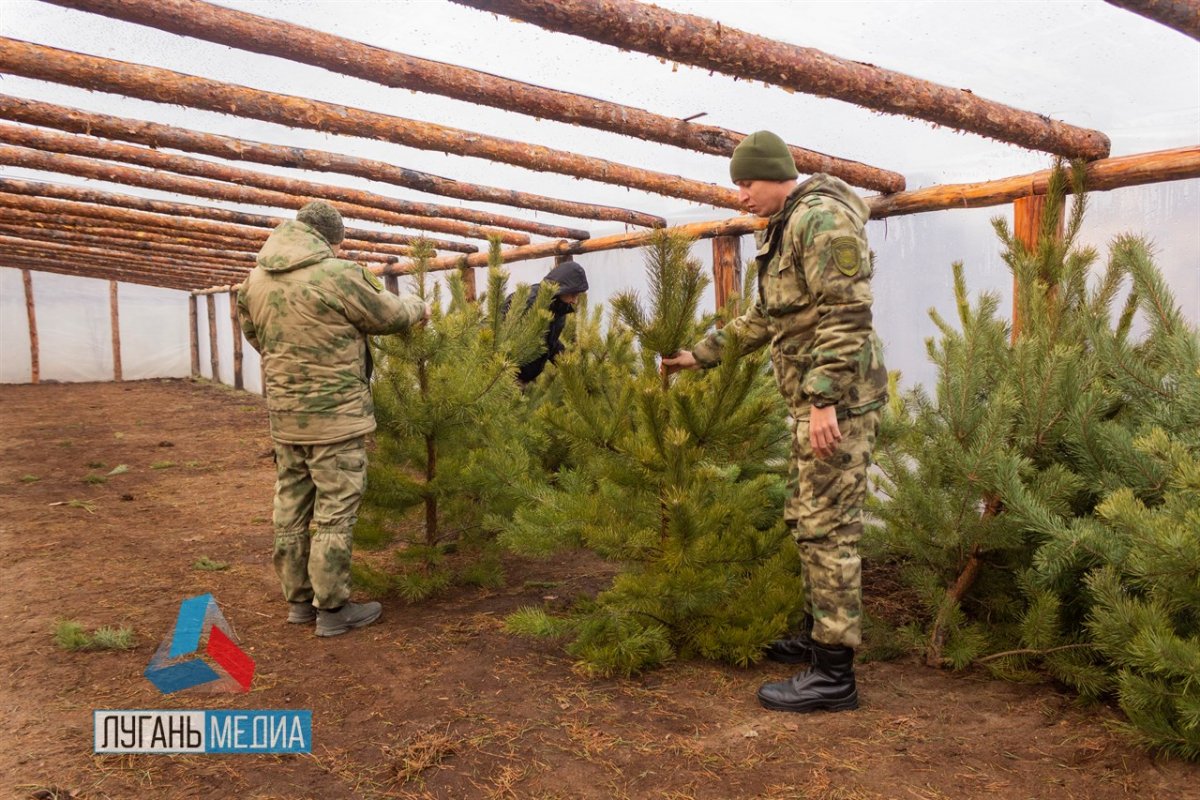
[(734, 226), (188, 227), (200, 246), (188, 210), (192, 268), (422, 216), (704, 43), (86, 269), (1112, 173), (152, 134), (102, 269), (206, 272), (242, 262), (217, 289), (62, 161), (277, 38), (114, 312), (1182, 15), (35, 369), (164, 86)]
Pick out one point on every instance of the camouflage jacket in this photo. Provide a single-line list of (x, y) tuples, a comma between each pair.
[(814, 303), (308, 314)]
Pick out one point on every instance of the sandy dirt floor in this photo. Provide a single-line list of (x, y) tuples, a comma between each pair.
[(436, 700)]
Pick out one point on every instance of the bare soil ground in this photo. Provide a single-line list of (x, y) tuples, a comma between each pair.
[(436, 700)]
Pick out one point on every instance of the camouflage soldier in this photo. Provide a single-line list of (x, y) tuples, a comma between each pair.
[(814, 308), (308, 313)]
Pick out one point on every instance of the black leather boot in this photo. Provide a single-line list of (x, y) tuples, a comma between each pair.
[(795, 649), (826, 686)]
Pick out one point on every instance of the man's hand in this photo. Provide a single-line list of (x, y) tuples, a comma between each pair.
[(428, 314), (680, 360), (823, 432)]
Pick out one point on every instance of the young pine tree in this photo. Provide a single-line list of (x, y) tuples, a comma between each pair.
[(452, 434), (679, 482), (1027, 497)]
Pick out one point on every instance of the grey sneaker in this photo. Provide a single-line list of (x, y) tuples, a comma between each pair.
[(302, 612), (351, 615)]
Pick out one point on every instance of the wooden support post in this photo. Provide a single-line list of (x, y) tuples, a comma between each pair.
[(392, 283), (468, 278), (193, 336), (237, 341), (562, 258), (34, 367), (727, 269), (115, 314), (1027, 221), (213, 357)]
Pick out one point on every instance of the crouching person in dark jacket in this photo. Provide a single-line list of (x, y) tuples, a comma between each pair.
[(571, 282)]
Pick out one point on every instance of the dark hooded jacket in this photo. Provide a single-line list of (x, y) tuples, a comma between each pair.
[(570, 279)]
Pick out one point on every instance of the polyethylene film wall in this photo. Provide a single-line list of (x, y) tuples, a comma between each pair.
[(74, 329), (912, 275)]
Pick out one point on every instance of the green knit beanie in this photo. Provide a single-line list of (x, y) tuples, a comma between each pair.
[(762, 156), (324, 218)]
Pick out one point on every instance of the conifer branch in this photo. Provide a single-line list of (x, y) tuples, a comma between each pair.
[(1029, 651)]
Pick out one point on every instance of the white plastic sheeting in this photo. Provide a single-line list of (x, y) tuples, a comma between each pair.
[(913, 259), (14, 329), (74, 327), (154, 334)]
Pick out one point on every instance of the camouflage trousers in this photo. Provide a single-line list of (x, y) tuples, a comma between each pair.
[(317, 491), (825, 514)]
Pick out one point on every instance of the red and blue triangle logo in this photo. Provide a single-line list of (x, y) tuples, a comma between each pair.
[(201, 651)]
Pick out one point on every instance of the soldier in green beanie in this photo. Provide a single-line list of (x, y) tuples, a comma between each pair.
[(309, 313), (814, 309)]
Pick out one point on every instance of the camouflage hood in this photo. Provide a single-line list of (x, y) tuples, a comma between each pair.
[(835, 188), (293, 245)]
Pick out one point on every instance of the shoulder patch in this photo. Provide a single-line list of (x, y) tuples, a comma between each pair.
[(372, 279), (845, 255)]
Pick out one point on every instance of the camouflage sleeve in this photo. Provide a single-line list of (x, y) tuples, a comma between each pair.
[(837, 266), (371, 308), (248, 329), (750, 329)]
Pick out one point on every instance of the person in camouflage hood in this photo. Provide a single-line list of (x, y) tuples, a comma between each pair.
[(309, 314), (814, 309)]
